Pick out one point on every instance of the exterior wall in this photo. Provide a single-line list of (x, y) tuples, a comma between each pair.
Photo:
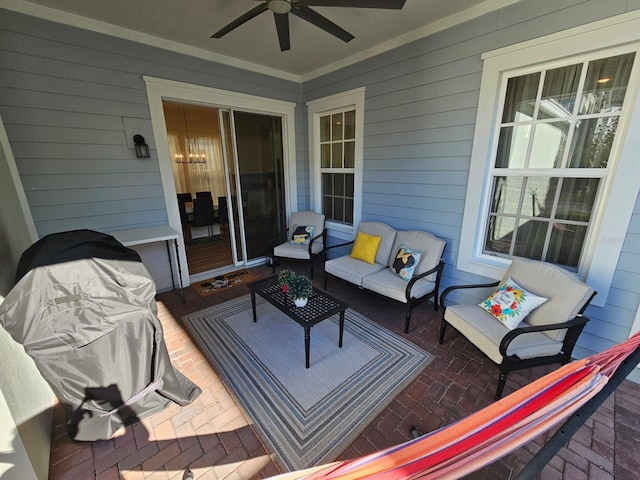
[(420, 114), (25, 398), (71, 101)]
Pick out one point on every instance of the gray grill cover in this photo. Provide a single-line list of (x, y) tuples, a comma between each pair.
[(91, 326)]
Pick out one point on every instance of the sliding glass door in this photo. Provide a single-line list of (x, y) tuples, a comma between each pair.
[(236, 159), (256, 181)]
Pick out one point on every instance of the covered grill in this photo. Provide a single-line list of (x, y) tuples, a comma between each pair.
[(84, 309)]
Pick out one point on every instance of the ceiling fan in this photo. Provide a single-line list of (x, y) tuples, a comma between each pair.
[(300, 8)]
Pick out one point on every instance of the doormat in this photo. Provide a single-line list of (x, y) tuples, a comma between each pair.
[(222, 282)]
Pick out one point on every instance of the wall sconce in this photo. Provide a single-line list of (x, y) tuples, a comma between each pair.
[(142, 149)]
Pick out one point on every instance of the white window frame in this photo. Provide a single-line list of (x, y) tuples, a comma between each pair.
[(600, 39), (349, 100)]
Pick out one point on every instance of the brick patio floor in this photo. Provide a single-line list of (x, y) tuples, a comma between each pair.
[(212, 437)]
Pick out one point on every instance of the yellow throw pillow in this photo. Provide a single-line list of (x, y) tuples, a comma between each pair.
[(366, 247)]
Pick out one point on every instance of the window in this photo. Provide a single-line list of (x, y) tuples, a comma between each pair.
[(335, 139), (554, 154), (337, 165), (555, 139)]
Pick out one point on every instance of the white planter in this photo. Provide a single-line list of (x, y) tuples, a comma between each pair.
[(300, 302)]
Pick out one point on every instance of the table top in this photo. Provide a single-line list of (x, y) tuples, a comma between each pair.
[(319, 307), (138, 236)]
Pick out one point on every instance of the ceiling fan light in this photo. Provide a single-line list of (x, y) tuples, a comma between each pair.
[(279, 6)]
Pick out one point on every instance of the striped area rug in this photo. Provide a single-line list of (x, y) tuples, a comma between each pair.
[(305, 416)]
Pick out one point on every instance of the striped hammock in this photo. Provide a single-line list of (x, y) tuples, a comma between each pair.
[(491, 433)]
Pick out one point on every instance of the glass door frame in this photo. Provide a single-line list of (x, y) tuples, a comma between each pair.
[(160, 89)]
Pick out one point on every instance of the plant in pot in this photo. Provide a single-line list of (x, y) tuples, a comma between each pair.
[(300, 287), (284, 277)]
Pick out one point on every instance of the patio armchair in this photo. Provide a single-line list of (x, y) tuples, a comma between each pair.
[(533, 318), (305, 239)]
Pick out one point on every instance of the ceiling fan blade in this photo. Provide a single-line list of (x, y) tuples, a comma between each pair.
[(282, 26), (388, 4), (321, 22), (254, 12)]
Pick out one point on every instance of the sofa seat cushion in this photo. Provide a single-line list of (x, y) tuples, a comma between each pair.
[(351, 269), (486, 333), (387, 283), (300, 251)]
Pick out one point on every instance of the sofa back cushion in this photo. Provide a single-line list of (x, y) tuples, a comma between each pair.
[(387, 237), (431, 248), (565, 292)]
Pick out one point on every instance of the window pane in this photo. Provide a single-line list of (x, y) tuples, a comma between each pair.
[(559, 92), (530, 239), (548, 146), (606, 84), (592, 142), (336, 155), (338, 209), (566, 244), (506, 195), (327, 184), (521, 98), (512, 146), (325, 128), (336, 128), (327, 207), (338, 184), (538, 200), (577, 198), (325, 155), (349, 181), (349, 154), (350, 124), (348, 210), (499, 234)]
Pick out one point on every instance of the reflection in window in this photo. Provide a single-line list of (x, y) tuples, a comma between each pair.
[(540, 217), (554, 122)]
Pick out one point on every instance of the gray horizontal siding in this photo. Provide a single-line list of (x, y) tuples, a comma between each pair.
[(64, 96), (420, 114)]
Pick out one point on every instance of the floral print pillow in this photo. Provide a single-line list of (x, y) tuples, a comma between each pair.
[(511, 303)]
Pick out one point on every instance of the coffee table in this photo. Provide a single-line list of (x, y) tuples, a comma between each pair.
[(319, 307)]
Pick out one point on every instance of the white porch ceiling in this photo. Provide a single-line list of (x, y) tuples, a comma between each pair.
[(187, 25)]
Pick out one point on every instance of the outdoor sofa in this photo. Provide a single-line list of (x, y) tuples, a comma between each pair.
[(405, 266)]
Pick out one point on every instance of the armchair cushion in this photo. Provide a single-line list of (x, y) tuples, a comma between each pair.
[(405, 262), (510, 303), (308, 218), (566, 293), (300, 251), (289, 250), (487, 333), (365, 247)]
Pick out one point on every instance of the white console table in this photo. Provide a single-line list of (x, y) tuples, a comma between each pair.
[(156, 233)]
